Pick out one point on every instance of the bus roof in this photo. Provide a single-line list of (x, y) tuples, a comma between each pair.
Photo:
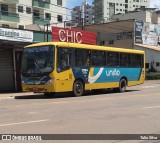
[(91, 47)]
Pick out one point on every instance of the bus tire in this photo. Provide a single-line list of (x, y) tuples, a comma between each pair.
[(122, 85), (49, 94), (78, 88)]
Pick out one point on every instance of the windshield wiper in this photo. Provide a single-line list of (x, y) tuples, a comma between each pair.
[(35, 63)]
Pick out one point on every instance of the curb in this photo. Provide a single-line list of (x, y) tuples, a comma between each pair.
[(4, 98)]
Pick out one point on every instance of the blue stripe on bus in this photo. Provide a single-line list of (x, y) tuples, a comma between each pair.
[(101, 75)]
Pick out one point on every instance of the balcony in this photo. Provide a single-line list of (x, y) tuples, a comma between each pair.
[(41, 3), (9, 16), (40, 21), (11, 1)]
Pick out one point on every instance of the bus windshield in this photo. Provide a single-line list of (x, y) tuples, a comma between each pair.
[(38, 61)]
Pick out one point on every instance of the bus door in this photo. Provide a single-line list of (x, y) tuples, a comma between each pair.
[(64, 62)]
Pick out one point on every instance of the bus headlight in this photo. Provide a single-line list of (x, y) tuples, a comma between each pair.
[(50, 81)]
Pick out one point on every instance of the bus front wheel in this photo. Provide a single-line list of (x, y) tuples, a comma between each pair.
[(78, 88), (49, 94)]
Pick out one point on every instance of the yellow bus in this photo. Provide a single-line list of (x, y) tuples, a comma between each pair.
[(52, 67)]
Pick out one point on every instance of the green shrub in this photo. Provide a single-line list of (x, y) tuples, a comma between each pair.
[(153, 76)]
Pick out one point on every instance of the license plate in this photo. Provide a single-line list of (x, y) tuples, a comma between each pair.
[(35, 89)]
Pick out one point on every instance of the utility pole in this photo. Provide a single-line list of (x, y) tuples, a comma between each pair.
[(65, 24), (44, 33), (82, 23), (47, 32)]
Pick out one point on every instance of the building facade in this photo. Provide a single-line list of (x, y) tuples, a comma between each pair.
[(32, 14), (83, 14), (104, 9), (22, 23)]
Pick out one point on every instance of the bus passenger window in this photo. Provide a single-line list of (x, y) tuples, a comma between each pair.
[(112, 59), (64, 59), (124, 60), (98, 58), (82, 57), (137, 60), (87, 62)]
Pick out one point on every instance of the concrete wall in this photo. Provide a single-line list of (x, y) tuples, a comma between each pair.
[(144, 16)]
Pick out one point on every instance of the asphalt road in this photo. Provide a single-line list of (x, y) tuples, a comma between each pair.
[(136, 111)]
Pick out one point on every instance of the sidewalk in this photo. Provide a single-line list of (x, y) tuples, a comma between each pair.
[(13, 95)]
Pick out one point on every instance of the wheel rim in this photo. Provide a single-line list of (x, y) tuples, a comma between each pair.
[(78, 88)]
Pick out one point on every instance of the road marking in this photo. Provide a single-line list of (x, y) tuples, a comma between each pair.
[(152, 107), (29, 122)]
